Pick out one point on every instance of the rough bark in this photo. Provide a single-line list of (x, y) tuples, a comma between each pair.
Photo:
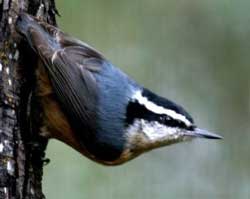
[(21, 149)]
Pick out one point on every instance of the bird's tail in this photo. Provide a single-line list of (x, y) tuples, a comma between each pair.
[(24, 22), (38, 34)]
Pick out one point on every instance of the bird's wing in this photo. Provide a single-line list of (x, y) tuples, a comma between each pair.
[(72, 78), (71, 66)]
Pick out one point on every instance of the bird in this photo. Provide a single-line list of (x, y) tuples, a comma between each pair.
[(93, 106)]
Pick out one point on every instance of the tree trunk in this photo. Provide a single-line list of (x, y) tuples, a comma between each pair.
[(21, 149)]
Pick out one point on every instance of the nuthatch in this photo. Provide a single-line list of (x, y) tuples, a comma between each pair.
[(93, 106)]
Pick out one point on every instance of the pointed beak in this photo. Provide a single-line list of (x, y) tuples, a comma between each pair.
[(203, 134)]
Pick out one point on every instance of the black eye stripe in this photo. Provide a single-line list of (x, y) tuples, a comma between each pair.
[(169, 121), (165, 118), (136, 110)]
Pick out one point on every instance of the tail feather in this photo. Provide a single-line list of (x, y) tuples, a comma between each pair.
[(46, 39), (23, 22), (36, 34)]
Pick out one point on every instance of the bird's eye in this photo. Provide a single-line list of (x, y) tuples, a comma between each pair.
[(165, 119)]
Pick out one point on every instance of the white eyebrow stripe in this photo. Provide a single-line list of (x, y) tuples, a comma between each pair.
[(159, 109)]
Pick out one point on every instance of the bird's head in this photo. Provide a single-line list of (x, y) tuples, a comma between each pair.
[(153, 121)]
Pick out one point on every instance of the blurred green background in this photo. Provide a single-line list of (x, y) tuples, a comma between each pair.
[(195, 52)]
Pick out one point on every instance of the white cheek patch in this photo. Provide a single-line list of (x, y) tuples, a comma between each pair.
[(156, 131), (152, 131), (159, 109)]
